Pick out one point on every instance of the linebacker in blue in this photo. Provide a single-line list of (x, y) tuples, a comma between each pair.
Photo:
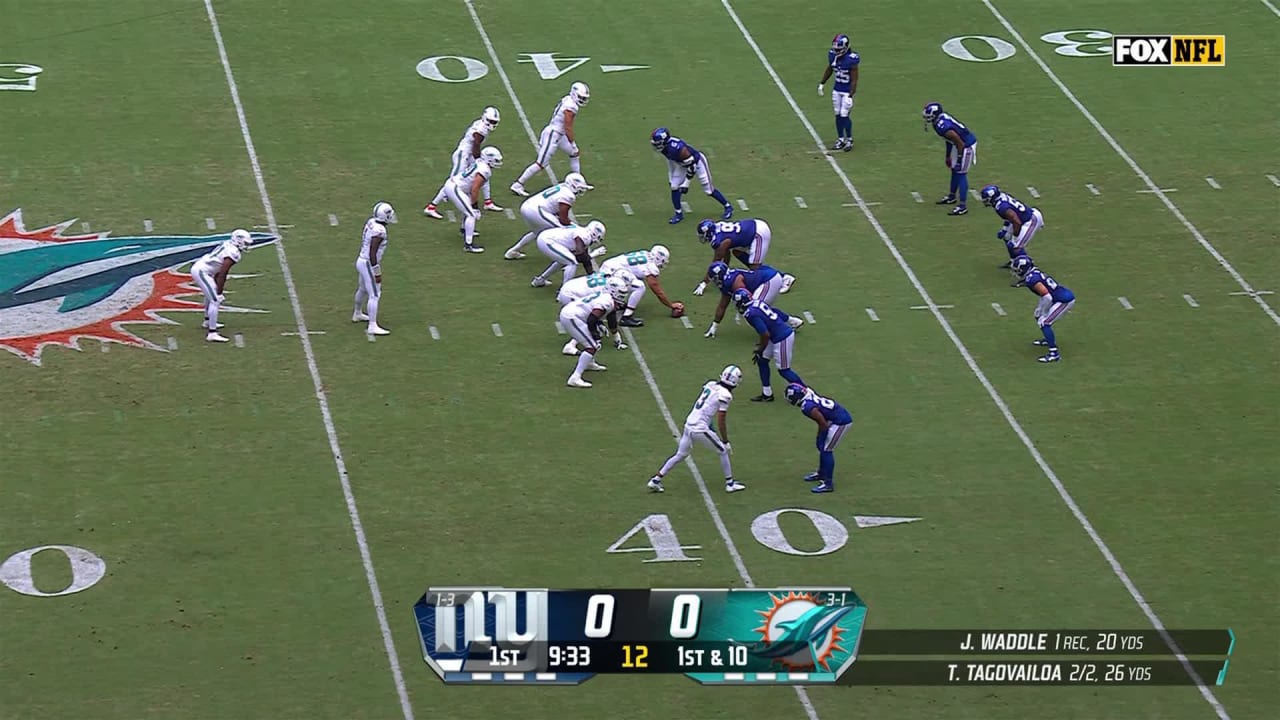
[(843, 63), (764, 283), (961, 154), (833, 422), (1055, 301), (684, 163), (777, 340), (1021, 221)]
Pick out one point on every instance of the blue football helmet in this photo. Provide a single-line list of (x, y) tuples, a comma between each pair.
[(706, 228), (716, 272), (840, 45), (741, 299), (989, 194), (1022, 265), (795, 393), (931, 113), (659, 138)]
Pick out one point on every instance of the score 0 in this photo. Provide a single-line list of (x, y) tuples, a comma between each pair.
[(686, 612)]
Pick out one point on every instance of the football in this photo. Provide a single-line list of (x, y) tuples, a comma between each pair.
[(677, 309)]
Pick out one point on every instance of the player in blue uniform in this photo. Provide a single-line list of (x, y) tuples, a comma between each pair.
[(962, 154), (777, 340), (833, 422), (843, 62), (764, 283), (1055, 301), (1021, 222), (684, 163)]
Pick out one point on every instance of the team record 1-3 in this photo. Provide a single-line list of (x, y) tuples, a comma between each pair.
[(771, 636)]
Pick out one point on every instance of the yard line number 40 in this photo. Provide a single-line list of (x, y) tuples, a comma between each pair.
[(666, 547), (1071, 43)]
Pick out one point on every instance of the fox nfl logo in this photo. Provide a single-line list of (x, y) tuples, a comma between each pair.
[(1169, 50)]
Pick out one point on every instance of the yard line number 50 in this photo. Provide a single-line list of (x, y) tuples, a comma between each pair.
[(1071, 43)]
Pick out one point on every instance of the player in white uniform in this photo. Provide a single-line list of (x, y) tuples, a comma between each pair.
[(712, 402), (462, 189), (557, 135), (581, 287), (568, 248), (467, 152), (645, 265), (373, 243), (548, 209), (581, 319), (210, 274)]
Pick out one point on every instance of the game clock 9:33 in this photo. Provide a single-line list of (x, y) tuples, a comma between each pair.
[(568, 656)]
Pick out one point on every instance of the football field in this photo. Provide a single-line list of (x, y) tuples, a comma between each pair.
[(241, 530)]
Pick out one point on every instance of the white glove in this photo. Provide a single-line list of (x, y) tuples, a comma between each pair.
[(617, 341), (819, 89), (711, 331), (598, 252), (573, 151), (702, 286), (728, 447), (221, 298)]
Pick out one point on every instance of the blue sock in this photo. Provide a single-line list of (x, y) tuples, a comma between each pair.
[(675, 200), (827, 464), (790, 376), (839, 126), (848, 127), (1014, 252), (719, 197), (763, 367), (1049, 337), (962, 192), (955, 181)]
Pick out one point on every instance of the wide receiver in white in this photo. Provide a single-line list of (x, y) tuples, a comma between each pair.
[(210, 273), (568, 248), (463, 188), (581, 319), (646, 265), (467, 152), (373, 243), (712, 402), (559, 134), (549, 209), (581, 287)]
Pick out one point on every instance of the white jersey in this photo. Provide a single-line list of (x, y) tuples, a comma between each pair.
[(713, 399), (567, 104), (564, 237), (640, 263), (479, 127), (549, 200), (212, 261), (581, 287), (580, 309), (373, 229), (464, 178)]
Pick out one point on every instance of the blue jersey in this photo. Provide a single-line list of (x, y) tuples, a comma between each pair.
[(738, 234), (831, 410), (945, 122), (1005, 201), (842, 68), (751, 279), (766, 319), (674, 147), (1059, 293)]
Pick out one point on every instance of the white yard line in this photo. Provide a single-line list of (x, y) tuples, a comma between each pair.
[(322, 397), (1271, 7), (1034, 192), (1213, 183), (333, 219), (148, 226), (808, 317), (435, 332), (742, 203), (1164, 198), (209, 223), (916, 196), (627, 209), (1124, 303), (497, 329), (1274, 180), (872, 314), (1093, 188), (981, 376), (1191, 301), (800, 203), (999, 310)]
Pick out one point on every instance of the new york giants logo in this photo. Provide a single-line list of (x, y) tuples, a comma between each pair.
[(494, 617)]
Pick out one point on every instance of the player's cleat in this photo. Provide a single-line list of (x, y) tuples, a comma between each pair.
[(205, 325), (538, 282), (472, 248), (848, 145), (762, 398), (675, 219), (839, 144), (513, 254), (630, 321), (213, 336), (812, 477), (359, 317), (596, 366), (732, 486), (1007, 266), (1053, 356), (728, 212), (959, 210), (431, 212), (655, 484), (570, 348), (947, 200), (1040, 343), (794, 322), (518, 189), (492, 206), (376, 329), (578, 383), (787, 282), (823, 487)]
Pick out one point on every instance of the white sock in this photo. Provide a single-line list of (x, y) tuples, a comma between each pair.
[(360, 298), (529, 172), (575, 164), (726, 467), (439, 198), (524, 240), (469, 226), (670, 464), (373, 310), (550, 269), (487, 196), (584, 361), (211, 312), (569, 272)]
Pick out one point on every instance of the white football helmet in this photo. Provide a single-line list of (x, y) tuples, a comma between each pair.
[(384, 213), (595, 232), (661, 255), (491, 117), (578, 184), (492, 156), (618, 288), (731, 376), (580, 92), (626, 276), (241, 239)]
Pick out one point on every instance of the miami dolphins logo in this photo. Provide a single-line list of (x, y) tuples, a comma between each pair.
[(58, 289), (800, 633)]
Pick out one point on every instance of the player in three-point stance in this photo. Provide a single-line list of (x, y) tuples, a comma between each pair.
[(549, 209), (777, 340), (712, 402), (559, 134), (744, 240), (467, 152), (764, 283), (587, 285), (1021, 222), (373, 243), (684, 163), (961, 154), (581, 319), (833, 422), (463, 188), (1055, 301), (210, 273), (844, 63), (567, 248), (645, 265)]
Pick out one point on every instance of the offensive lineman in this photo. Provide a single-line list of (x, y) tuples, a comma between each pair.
[(373, 243), (581, 287), (464, 187), (712, 402), (569, 247), (210, 273), (646, 265), (467, 152), (581, 319), (559, 134), (548, 209)]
